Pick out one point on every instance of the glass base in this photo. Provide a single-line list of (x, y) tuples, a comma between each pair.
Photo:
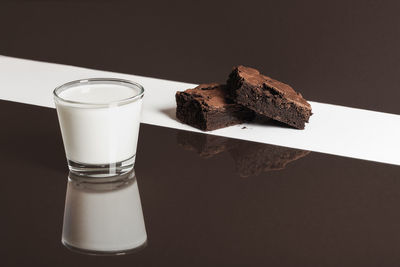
[(101, 170), (105, 253)]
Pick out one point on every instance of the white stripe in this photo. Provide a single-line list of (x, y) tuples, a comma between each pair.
[(332, 129)]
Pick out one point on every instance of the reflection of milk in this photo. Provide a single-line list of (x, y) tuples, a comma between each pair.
[(103, 217), (99, 135)]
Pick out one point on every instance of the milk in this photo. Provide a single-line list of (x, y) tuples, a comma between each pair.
[(103, 219), (99, 130)]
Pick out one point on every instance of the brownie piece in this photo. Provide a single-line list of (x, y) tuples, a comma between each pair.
[(255, 158), (206, 107), (268, 97)]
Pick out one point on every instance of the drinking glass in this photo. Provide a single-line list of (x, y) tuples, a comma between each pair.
[(99, 120)]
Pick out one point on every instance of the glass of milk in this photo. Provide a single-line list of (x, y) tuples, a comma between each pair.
[(103, 215), (99, 120)]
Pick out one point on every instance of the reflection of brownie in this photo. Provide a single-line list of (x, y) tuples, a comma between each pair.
[(250, 158), (255, 158), (268, 97), (207, 108), (205, 145)]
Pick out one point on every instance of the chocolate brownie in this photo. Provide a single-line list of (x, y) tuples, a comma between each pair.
[(268, 97), (206, 107)]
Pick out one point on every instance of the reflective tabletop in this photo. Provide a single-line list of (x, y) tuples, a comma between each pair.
[(205, 201)]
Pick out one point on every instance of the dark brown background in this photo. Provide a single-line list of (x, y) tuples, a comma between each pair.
[(342, 52)]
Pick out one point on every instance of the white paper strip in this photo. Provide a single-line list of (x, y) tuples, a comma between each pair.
[(332, 129)]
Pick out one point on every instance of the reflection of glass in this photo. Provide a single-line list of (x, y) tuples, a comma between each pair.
[(103, 216), (250, 158)]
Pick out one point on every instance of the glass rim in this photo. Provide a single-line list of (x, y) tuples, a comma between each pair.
[(122, 82)]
